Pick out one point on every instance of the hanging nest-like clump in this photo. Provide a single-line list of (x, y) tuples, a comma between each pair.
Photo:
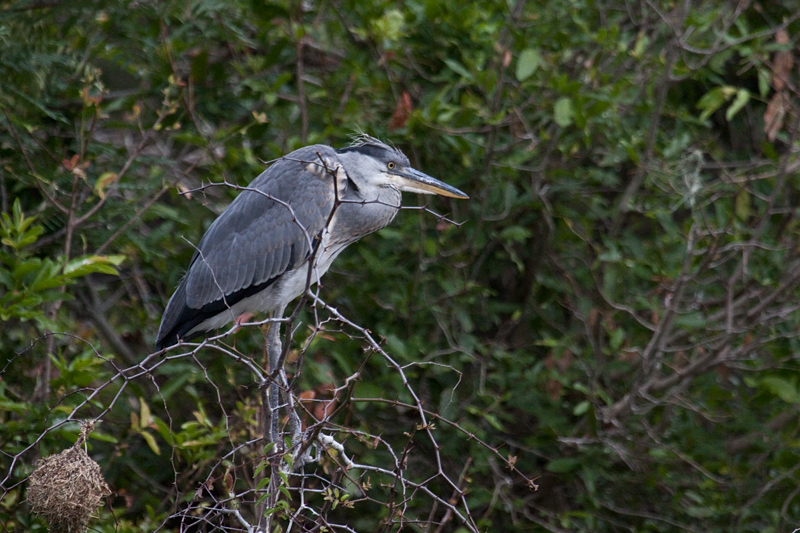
[(68, 488)]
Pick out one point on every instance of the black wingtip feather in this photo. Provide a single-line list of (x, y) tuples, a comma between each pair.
[(187, 318)]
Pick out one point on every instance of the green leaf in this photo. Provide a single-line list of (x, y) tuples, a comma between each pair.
[(261, 499), (458, 68), (18, 214), (88, 264), (260, 467), (742, 97), (145, 417), (581, 408), (6, 279), (106, 179), (23, 268), (764, 85), (29, 237), (563, 112), (151, 442), (783, 388), (489, 417), (642, 42), (390, 26), (104, 437), (713, 100), (528, 63)]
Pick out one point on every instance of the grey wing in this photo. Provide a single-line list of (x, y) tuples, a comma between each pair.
[(258, 238), (263, 233)]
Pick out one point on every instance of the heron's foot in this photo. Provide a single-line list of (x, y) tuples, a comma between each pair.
[(301, 451), (302, 454), (326, 443)]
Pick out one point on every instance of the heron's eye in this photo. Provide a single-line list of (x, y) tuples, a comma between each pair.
[(391, 165)]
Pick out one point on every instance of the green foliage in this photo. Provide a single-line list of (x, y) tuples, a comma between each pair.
[(31, 281), (615, 314)]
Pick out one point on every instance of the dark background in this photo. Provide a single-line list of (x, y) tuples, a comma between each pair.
[(615, 316)]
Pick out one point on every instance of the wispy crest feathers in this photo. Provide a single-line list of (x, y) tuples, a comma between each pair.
[(360, 139)]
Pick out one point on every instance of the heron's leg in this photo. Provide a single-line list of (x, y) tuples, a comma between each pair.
[(295, 425), (272, 417), (279, 389), (274, 353)]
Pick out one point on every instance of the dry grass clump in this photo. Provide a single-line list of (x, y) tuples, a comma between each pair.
[(68, 488)]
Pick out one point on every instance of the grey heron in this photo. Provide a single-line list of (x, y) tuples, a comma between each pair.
[(299, 214)]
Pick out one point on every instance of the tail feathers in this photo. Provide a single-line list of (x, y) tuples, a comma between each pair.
[(173, 324), (180, 319)]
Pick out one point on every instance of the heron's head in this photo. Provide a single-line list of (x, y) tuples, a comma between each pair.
[(372, 163)]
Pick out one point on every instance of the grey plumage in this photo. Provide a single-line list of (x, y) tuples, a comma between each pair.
[(255, 256)]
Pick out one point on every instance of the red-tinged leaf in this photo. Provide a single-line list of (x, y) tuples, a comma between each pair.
[(783, 62), (70, 163), (774, 115), (106, 179), (401, 112)]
